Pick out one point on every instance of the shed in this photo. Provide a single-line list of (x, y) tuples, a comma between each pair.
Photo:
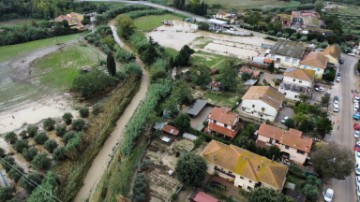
[(189, 136), (250, 82), (159, 125), (196, 108), (171, 130), (200, 196)]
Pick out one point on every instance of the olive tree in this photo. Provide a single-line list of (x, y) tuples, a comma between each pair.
[(49, 124), (191, 169), (10, 137), (41, 161), (67, 118), (32, 130), (40, 138)]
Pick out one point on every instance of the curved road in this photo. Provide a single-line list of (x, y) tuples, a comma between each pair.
[(103, 158)]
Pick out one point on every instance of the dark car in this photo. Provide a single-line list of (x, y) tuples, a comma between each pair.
[(217, 185)]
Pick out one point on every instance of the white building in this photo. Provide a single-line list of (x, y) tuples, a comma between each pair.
[(291, 142), (287, 53), (262, 102), (315, 61), (245, 169), (223, 122), (296, 82)]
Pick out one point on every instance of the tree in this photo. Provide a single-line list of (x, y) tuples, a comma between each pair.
[(69, 135), (182, 59), (50, 184), (16, 172), (59, 153), (140, 188), (310, 188), (84, 112), (304, 97), (150, 53), (125, 26), (7, 162), (78, 124), (333, 161), (41, 161), (10, 137), (290, 123), (191, 169), (32, 130), (2, 153), (200, 75), (40, 138), (245, 76), (50, 145), (20, 145), (23, 134), (67, 118), (49, 124), (307, 125), (319, 4), (271, 67), (30, 181), (29, 153), (6, 193), (110, 64), (182, 122), (323, 125), (228, 76), (325, 100), (263, 194), (60, 130), (182, 92)]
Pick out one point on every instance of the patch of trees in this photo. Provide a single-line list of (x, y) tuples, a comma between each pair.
[(263, 194), (191, 169), (182, 59), (140, 188), (180, 94), (102, 19), (194, 6), (34, 31), (150, 11), (102, 38)]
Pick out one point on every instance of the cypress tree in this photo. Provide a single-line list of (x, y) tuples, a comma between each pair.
[(110, 64)]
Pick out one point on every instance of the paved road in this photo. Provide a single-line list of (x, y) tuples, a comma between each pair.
[(103, 158), (345, 190)]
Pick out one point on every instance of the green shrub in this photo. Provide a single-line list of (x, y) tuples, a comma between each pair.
[(29, 153), (23, 134), (84, 112), (124, 56), (6, 193), (7, 162), (10, 137), (60, 130), (69, 135), (49, 124), (67, 118), (40, 138), (41, 161), (32, 130), (50, 145), (30, 181), (59, 153), (20, 145), (16, 172), (78, 124)]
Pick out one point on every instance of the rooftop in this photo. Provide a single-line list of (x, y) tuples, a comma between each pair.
[(245, 163), (333, 50), (200, 196), (266, 94), (196, 108), (171, 130), (293, 49), (292, 138), (223, 115), (303, 74), (315, 59)]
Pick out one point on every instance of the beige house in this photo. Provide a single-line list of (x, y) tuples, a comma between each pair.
[(287, 53), (74, 20), (290, 142), (245, 169), (333, 53), (315, 61), (262, 102), (224, 122), (297, 82)]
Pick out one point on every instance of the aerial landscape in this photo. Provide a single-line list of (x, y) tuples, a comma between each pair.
[(179, 100)]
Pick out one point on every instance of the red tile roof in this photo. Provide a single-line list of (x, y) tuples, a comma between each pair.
[(204, 197), (224, 131), (171, 130), (223, 115), (292, 138), (216, 84)]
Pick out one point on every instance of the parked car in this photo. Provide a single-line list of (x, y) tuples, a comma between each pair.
[(284, 119), (356, 101), (356, 133), (356, 98), (338, 78), (356, 116), (356, 126), (217, 185), (320, 89), (328, 195), (336, 99), (351, 54), (341, 61), (336, 107), (357, 156), (357, 169)]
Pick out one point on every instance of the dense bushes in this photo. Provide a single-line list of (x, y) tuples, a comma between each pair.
[(140, 188), (49, 124), (40, 138), (103, 19), (102, 38), (84, 112), (41, 161), (123, 55), (30, 181), (29, 153)]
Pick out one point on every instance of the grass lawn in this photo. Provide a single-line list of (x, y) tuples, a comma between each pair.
[(19, 22), (245, 4), (171, 52), (209, 60), (148, 23), (60, 68), (223, 99), (7, 52)]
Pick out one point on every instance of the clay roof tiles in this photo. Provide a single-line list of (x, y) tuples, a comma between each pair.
[(315, 59)]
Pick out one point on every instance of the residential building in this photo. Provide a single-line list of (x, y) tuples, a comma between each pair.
[(333, 53), (200, 196), (315, 61), (254, 73), (287, 53), (262, 102), (245, 169), (224, 122), (230, 17), (74, 20), (291, 142), (297, 82)]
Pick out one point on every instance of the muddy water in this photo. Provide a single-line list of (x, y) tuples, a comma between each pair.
[(103, 158), (183, 34)]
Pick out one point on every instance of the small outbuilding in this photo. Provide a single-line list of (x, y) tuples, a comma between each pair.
[(196, 108), (170, 130)]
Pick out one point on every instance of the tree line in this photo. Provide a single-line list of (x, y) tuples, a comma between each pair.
[(193, 6)]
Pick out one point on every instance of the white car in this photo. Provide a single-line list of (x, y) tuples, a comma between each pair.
[(356, 133), (357, 180), (356, 101), (328, 195), (351, 54), (338, 78), (356, 98), (320, 89), (357, 170), (356, 107), (284, 119), (357, 156), (357, 188)]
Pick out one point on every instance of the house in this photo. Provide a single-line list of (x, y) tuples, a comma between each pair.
[(315, 61), (224, 122), (196, 108), (333, 53), (284, 19), (287, 53), (215, 86), (262, 102), (170, 130), (291, 142), (200, 196), (74, 20), (230, 17), (245, 169), (297, 82)]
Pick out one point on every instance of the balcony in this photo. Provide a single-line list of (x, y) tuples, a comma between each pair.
[(294, 88), (228, 173)]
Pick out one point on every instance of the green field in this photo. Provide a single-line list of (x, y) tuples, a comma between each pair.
[(148, 23), (209, 60), (59, 69), (349, 17), (7, 52), (223, 99), (246, 4)]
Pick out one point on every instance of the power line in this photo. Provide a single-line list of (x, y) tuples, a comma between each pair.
[(33, 183)]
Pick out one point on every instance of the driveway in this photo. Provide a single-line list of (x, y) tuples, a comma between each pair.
[(342, 132), (285, 111)]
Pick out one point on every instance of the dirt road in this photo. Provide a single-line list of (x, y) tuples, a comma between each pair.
[(103, 158)]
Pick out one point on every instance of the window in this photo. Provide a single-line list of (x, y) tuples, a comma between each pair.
[(295, 96), (250, 181), (241, 178), (318, 69), (253, 106), (300, 81), (214, 121), (305, 66), (295, 61), (277, 141), (294, 80), (262, 108), (286, 147), (225, 125), (249, 188), (300, 152), (287, 59), (261, 115)]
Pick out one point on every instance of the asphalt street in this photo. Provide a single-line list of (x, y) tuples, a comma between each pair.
[(345, 190)]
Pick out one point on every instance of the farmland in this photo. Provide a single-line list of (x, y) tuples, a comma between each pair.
[(148, 23), (349, 17)]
